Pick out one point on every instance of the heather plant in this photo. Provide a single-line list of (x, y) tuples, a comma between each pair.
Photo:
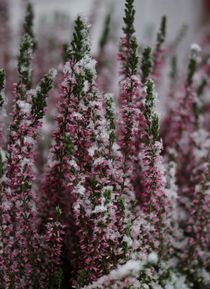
[(97, 190)]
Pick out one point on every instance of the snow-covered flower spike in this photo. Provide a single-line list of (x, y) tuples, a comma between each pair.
[(80, 45)]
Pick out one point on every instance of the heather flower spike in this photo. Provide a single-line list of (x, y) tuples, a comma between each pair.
[(91, 194), (39, 98), (150, 116), (79, 45), (158, 53), (28, 22), (193, 63), (129, 17), (2, 87), (25, 65), (106, 31), (146, 64)]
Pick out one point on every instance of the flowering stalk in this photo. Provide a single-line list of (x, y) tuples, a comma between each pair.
[(18, 232), (2, 107), (28, 22), (155, 203), (106, 66), (158, 53), (146, 64), (130, 119)]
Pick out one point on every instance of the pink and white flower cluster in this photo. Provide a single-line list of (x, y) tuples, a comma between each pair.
[(96, 190)]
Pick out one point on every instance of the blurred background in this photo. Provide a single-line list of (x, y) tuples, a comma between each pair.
[(192, 13), (53, 24)]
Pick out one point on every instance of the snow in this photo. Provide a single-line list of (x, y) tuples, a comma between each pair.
[(88, 63), (153, 258), (80, 189), (24, 106), (195, 47), (92, 150), (132, 267), (99, 209)]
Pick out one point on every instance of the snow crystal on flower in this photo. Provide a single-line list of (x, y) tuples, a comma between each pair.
[(73, 164), (24, 106), (77, 115), (153, 258), (88, 63), (99, 209), (67, 68), (80, 189), (92, 150), (196, 47), (132, 267)]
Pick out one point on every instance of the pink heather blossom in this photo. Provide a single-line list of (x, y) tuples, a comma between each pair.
[(92, 196)]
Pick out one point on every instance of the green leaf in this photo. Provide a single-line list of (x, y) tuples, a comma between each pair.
[(80, 45), (28, 23), (129, 17), (146, 64), (2, 86), (69, 147), (39, 99), (107, 195), (24, 61)]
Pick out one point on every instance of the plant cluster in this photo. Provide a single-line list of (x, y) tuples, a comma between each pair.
[(102, 193)]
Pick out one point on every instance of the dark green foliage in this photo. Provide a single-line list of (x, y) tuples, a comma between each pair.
[(57, 280), (150, 116), (202, 86), (155, 127), (129, 18), (131, 62), (24, 61), (192, 66), (173, 72), (110, 119), (149, 103), (28, 23), (128, 228), (107, 196), (65, 52), (69, 147), (121, 204), (58, 213), (146, 64), (39, 99), (79, 45), (132, 59), (1, 166), (162, 32), (197, 105), (82, 277), (105, 34), (2, 86)]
